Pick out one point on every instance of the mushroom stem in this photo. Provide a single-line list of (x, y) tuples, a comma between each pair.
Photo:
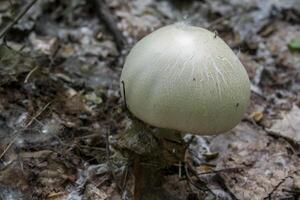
[(148, 181), (151, 151)]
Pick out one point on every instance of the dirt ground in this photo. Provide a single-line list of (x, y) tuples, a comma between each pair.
[(60, 102)]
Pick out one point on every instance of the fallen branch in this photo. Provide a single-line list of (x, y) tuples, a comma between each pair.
[(17, 18), (110, 22)]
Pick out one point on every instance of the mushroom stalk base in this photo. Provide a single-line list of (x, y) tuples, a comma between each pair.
[(151, 152)]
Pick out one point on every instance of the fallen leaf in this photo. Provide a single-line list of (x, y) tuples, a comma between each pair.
[(46, 45), (266, 160), (13, 64), (288, 126)]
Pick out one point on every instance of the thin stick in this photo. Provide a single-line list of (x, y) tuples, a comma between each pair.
[(203, 186), (225, 17), (109, 164), (220, 180), (110, 22), (221, 170), (30, 73), (8, 146), (11, 4), (107, 148), (38, 114), (17, 18), (123, 87), (276, 187), (26, 126)]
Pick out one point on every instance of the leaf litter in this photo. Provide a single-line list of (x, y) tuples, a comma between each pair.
[(59, 98)]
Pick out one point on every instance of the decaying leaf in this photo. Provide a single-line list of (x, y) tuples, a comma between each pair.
[(45, 45), (64, 157), (94, 193), (9, 193), (288, 126), (264, 162), (13, 64)]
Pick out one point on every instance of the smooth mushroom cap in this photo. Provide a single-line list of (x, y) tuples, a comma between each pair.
[(185, 78)]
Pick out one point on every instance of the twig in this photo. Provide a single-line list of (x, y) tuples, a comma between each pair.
[(38, 114), (17, 18), (91, 147), (295, 145), (124, 94), (219, 20), (26, 126), (222, 184), (109, 164), (11, 4), (124, 196), (203, 186), (30, 73), (269, 197), (107, 148), (110, 22), (221, 170), (225, 17), (125, 178), (293, 191), (8, 146)]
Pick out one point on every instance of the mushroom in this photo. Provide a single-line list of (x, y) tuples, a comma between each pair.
[(187, 79)]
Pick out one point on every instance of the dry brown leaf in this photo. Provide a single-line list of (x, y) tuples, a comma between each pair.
[(267, 162), (288, 126)]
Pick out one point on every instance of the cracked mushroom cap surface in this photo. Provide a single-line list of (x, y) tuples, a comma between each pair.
[(185, 78)]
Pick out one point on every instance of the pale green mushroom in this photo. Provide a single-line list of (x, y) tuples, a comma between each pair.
[(185, 78)]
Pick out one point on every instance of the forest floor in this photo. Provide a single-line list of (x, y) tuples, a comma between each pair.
[(60, 99)]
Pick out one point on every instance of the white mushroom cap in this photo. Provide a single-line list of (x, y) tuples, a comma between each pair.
[(185, 78)]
